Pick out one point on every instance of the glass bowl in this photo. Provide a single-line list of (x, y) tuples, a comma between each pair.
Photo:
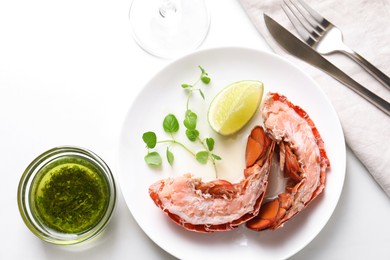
[(67, 195)]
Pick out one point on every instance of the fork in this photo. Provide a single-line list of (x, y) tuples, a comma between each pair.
[(324, 37)]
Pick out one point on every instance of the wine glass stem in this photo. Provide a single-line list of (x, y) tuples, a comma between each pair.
[(167, 8)]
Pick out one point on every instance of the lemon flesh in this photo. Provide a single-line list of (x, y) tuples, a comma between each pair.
[(233, 107)]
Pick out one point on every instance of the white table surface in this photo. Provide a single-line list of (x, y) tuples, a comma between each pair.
[(69, 71)]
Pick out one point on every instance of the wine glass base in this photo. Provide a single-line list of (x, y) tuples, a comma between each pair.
[(169, 31)]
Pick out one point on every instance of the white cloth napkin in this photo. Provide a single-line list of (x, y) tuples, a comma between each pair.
[(366, 28)]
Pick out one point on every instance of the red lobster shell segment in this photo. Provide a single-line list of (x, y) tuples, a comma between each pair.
[(302, 113), (302, 158), (217, 205)]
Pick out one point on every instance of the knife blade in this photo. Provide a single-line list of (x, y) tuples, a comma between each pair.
[(297, 48)]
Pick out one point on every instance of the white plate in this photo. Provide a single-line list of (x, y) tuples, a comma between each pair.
[(163, 94)]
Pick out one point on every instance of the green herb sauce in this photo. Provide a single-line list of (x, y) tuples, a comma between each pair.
[(71, 195)]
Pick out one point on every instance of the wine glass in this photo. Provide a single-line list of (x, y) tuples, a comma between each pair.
[(169, 28)]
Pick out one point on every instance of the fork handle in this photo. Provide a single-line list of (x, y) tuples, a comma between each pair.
[(374, 71)]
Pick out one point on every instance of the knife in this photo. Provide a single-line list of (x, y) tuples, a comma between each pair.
[(296, 47)]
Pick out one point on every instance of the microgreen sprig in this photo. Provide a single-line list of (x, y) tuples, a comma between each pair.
[(204, 77), (190, 122), (171, 126)]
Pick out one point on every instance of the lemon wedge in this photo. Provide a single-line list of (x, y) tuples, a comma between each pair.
[(233, 107)]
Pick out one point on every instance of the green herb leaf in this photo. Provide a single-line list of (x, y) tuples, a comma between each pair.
[(153, 159), (201, 93), (204, 76), (190, 120), (192, 134), (170, 156), (206, 79), (202, 157), (150, 139), (210, 143), (170, 124), (186, 86), (216, 157)]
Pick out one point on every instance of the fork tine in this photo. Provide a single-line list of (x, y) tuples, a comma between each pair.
[(308, 17), (306, 33), (322, 21)]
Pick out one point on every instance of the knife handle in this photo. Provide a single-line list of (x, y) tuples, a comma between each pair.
[(362, 91), (374, 71)]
